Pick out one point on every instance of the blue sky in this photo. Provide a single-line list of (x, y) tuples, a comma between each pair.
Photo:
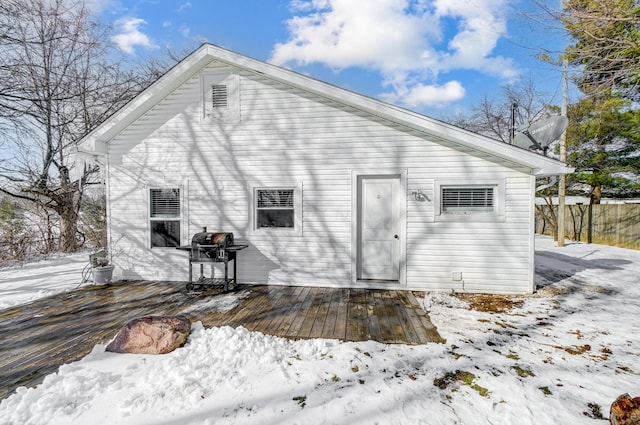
[(436, 57)]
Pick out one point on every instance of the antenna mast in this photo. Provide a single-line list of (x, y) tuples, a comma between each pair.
[(512, 134), (562, 183)]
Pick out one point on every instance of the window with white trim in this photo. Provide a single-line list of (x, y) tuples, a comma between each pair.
[(467, 199), (276, 209), (164, 217)]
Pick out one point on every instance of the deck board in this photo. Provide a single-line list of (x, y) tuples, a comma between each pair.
[(321, 315), (328, 330), (40, 336), (313, 303), (275, 305), (247, 313), (298, 296), (301, 316), (357, 327), (340, 328)]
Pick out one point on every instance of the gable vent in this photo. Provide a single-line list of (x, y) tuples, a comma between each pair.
[(219, 96)]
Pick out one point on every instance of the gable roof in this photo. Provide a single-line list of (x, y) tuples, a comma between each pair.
[(96, 141)]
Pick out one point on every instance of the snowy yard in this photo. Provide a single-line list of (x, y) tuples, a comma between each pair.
[(561, 355)]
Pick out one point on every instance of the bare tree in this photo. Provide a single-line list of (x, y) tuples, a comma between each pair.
[(492, 117), (606, 37), (57, 82)]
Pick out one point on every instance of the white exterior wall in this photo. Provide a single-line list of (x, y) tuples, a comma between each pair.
[(286, 136)]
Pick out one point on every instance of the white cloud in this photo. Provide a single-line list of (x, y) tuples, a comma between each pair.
[(423, 95), (410, 42), (98, 6), (129, 35), (185, 31), (481, 23), (344, 33), (184, 6)]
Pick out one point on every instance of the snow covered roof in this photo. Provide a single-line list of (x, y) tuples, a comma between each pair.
[(95, 143)]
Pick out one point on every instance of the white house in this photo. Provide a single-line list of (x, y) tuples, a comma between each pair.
[(328, 187)]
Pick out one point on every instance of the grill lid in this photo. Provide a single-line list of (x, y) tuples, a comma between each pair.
[(221, 239)]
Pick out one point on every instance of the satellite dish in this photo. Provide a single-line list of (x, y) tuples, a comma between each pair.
[(541, 133)]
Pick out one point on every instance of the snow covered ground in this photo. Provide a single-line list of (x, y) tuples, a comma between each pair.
[(22, 283), (559, 356)]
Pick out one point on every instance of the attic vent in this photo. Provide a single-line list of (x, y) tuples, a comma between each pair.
[(467, 199), (219, 96)]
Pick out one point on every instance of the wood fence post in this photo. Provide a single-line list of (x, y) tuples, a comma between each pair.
[(618, 219), (590, 223)]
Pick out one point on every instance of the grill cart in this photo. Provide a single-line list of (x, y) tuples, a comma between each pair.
[(212, 247)]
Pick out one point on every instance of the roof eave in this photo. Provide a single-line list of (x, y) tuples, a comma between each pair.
[(557, 169)]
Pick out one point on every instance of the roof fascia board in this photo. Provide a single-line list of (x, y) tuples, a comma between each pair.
[(93, 147)]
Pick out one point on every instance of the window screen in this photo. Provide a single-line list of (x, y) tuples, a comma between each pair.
[(467, 199), (275, 208), (164, 216)]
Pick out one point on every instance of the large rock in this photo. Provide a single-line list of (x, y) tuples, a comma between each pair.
[(151, 335), (625, 411)]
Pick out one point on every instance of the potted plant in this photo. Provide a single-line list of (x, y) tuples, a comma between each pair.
[(100, 268)]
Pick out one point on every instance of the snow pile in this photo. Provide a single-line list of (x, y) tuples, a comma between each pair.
[(226, 375), (559, 356)]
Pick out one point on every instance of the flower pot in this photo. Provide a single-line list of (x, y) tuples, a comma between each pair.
[(102, 274)]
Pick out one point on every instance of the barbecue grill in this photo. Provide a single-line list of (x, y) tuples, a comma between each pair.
[(212, 247)]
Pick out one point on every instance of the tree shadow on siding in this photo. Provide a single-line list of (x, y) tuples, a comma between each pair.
[(275, 144), (288, 135)]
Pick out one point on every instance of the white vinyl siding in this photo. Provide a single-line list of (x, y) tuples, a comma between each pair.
[(285, 135)]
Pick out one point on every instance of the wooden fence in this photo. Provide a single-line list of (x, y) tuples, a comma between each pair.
[(608, 224)]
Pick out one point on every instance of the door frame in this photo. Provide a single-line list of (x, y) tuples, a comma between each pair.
[(356, 178)]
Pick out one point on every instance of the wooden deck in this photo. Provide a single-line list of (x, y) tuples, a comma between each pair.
[(35, 339)]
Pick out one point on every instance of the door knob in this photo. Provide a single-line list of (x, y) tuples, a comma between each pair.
[(396, 236)]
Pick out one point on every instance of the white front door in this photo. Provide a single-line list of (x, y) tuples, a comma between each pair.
[(378, 227)]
